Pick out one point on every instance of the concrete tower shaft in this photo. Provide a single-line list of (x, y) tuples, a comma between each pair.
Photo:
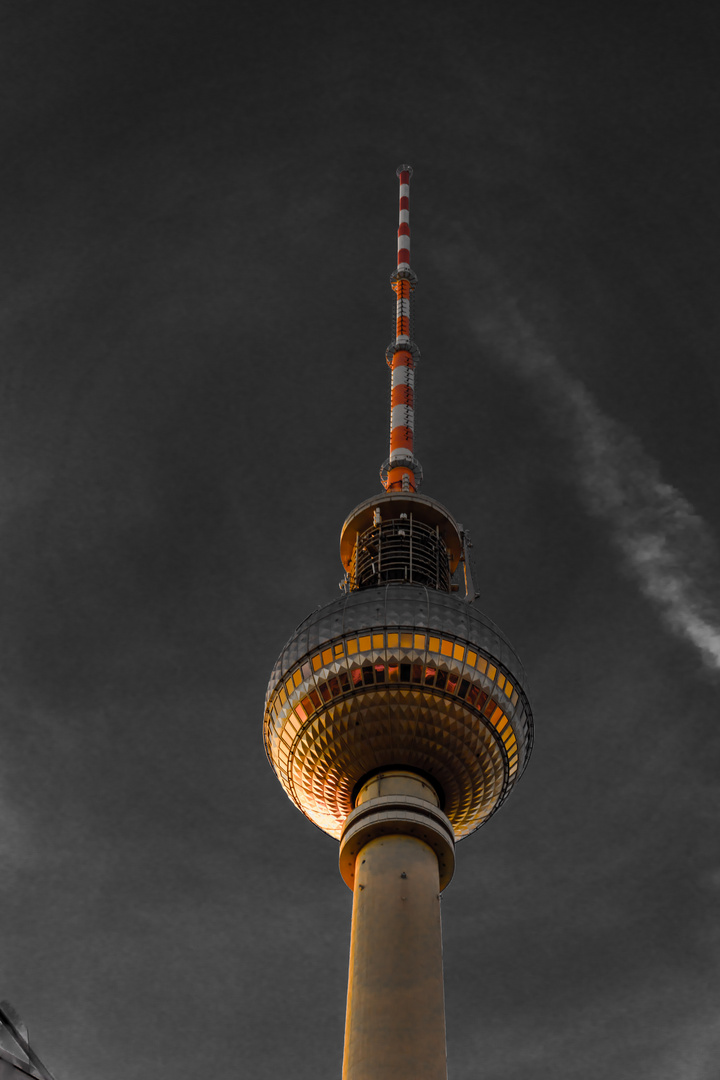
[(401, 848)]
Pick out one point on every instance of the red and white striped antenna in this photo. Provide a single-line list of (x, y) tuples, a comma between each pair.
[(402, 470)]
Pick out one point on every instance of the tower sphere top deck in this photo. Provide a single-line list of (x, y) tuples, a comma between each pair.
[(395, 505)]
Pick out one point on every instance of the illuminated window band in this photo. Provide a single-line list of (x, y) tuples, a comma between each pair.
[(347, 665)]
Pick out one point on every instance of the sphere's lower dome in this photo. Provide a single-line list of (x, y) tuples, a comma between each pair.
[(398, 675)]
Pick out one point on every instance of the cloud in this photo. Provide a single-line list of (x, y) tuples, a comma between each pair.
[(666, 546)]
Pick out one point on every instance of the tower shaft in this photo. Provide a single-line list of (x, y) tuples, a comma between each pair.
[(395, 1026), (401, 845)]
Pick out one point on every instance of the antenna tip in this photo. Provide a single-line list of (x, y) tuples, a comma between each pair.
[(404, 168)]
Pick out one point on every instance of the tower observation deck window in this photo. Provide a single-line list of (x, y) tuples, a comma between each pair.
[(402, 550)]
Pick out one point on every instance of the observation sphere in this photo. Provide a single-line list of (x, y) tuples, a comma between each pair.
[(398, 675)]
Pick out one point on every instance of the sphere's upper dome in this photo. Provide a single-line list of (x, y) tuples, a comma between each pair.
[(398, 675)]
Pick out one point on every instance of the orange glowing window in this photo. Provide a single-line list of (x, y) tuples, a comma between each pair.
[(499, 719), (307, 705), (471, 658), (508, 688), (378, 641), (339, 650), (315, 698), (317, 662), (491, 671), (365, 642), (406, 641), (490, 707), (501, 681), (508, 736), (301, 712), (393, 641), (393, 672), (482, 664), (352, 646), (297, 677), (289, 687), (458, 652), (357, 676), (419, 641), (434, 644), (446, 647), (283, 696), (327, 656), (290, 730)]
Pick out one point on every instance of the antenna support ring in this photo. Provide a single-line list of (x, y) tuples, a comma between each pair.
[(401, 346)]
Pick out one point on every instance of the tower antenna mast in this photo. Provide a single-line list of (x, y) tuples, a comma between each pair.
[(402, 471)]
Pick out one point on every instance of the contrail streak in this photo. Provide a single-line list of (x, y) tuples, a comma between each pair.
[(666, 546)]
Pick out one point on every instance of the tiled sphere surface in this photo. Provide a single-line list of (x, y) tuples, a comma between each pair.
[(398, 675)]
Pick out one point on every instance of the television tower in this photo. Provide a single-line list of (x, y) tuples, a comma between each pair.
[(396, 720)]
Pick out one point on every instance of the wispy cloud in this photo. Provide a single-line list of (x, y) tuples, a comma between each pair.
[(666, 546)]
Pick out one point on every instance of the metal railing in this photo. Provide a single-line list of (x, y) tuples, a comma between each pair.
[(401, 550)]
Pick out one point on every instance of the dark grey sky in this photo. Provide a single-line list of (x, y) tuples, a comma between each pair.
[(199, 214)]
